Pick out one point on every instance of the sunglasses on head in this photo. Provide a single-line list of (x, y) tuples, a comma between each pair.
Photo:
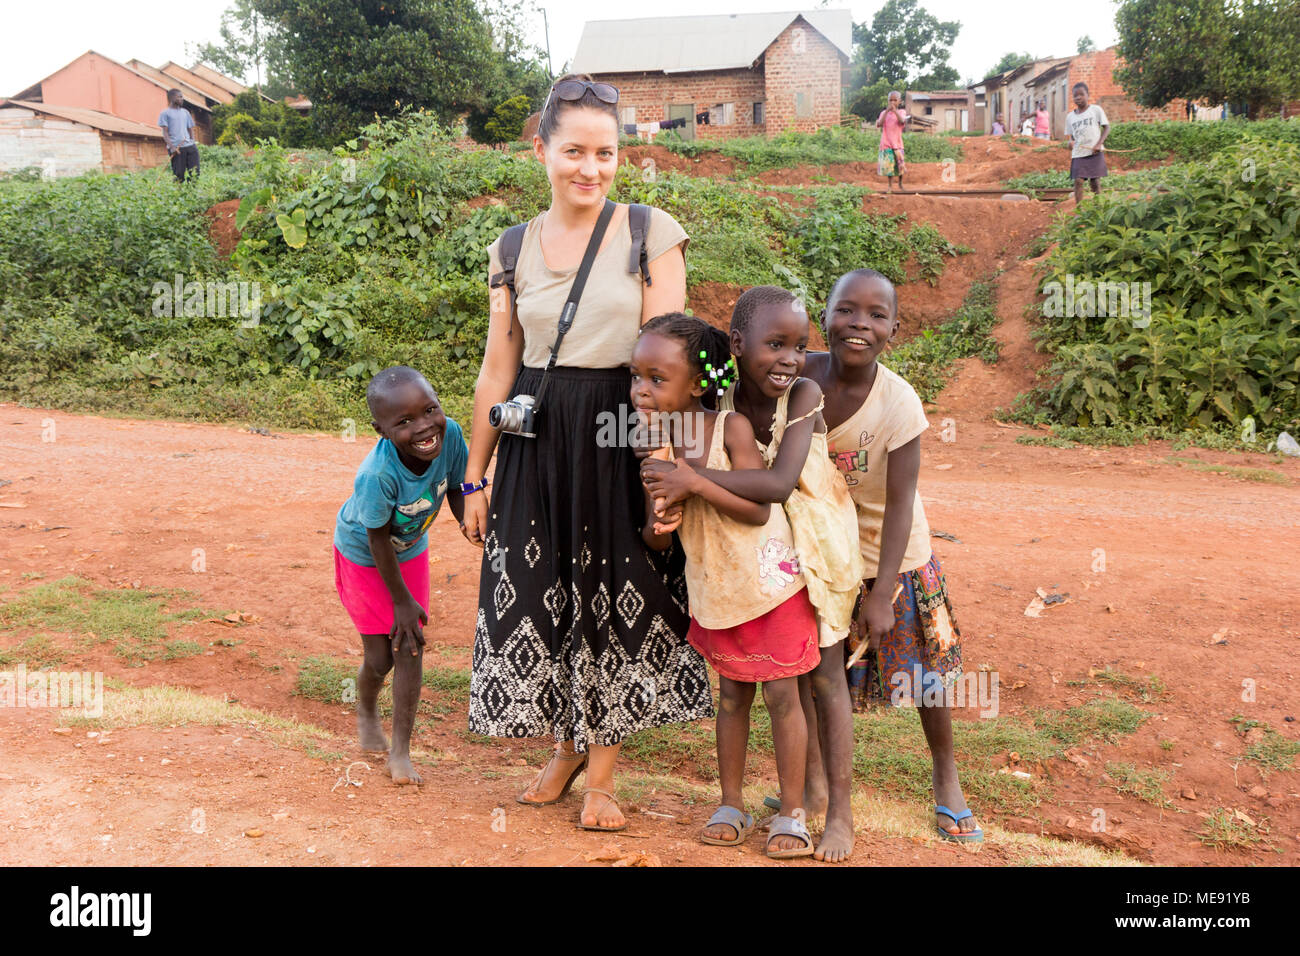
[(570, 90)]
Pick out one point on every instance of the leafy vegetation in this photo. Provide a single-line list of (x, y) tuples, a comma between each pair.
[(924, 359), (1219, 339), (831, 144), (1196, 141)]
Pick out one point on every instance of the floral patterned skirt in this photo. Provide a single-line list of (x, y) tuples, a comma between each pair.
[(922, 652)]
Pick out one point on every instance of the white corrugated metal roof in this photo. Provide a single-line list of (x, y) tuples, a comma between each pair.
[(688, 44)]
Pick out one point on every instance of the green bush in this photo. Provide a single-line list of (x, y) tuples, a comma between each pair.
[(831, 144), (1196, 140), (1218, 244)]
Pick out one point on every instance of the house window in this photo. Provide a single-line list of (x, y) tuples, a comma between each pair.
[(803, 104), (626, 115), (759, 118), (929, 110), (722, 114)]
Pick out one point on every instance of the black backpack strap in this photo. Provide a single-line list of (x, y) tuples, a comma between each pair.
[(638, 221), (512, 240)]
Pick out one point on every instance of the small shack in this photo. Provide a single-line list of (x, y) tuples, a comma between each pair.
[(70, 140)]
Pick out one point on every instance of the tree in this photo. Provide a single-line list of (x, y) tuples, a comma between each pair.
[(1010, 61), (1085, 44), (1239, 51), (904, 40), (518, 72), (358, 58), (248, 44)]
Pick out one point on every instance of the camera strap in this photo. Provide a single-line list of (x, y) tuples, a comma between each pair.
[(575, 293)]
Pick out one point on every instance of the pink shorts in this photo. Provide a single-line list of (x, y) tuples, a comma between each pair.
[(366, 598)]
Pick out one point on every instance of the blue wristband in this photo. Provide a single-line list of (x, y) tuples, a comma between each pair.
[(469, 487)]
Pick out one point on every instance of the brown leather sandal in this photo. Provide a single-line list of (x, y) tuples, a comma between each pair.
[(612, 799), (557, 754)]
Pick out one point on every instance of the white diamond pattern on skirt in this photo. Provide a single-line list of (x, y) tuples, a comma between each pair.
[(555, 598), (503, 595), (585, 557), (532, 553), (630, 604), (600, 606)]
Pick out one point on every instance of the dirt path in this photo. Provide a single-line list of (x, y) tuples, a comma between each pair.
[(1189, 554)]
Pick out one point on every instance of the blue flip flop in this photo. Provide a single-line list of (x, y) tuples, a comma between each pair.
[(974, 836)]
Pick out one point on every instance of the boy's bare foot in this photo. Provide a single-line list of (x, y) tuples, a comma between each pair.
[(599, 810), (837, 839), (403, 771), (371, 733), (814, 796)]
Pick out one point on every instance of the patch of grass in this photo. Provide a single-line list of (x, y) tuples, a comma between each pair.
[(1106, 718), (671, 748), (37, 651), (1151, 689), (1045, 441), (1232, 471), (1146, 785), (326, 679), (135, 621), (1272, 751), (160, 707), (924, 359), (176, 650), (1225, 830)]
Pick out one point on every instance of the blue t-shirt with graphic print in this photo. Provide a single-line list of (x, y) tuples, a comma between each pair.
[(386, 491)]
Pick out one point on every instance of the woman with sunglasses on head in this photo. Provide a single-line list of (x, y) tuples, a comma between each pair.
[(581, 629)]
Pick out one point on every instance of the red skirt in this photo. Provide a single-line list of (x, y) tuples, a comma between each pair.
[(781, 643)]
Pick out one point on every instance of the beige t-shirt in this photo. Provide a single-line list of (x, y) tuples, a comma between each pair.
[(890, 417), (609, 313)]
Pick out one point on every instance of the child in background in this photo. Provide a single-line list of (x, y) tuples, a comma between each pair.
[(1087, 128), (769, 337), (381, 557), (890, 122), (874, 420), (998, 128), (1042, 121), (750, 613)]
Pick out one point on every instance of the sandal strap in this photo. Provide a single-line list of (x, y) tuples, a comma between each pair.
[(603, 793), (789, 826), (957, 817), (732, 817)]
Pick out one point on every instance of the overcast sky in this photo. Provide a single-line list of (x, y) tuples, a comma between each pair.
[(41, 37)]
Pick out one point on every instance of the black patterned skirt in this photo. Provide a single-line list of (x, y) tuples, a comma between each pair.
[(581, 631)]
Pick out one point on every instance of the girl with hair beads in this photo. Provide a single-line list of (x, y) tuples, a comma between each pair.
[(750, 613), (769, 336), (875, 420)]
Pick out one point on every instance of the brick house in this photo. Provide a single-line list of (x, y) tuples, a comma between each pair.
[(938, 110), (724, 75), (1012, 95)]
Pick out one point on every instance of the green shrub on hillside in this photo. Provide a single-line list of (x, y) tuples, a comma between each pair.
[(1218, 244), (1194, 141), (831, 144)]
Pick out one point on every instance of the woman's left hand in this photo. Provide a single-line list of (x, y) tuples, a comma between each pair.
[(672, 486)]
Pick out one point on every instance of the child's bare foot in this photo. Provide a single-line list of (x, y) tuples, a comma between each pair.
[(837, 838), (814, 796), (403, 771), (371, 733)]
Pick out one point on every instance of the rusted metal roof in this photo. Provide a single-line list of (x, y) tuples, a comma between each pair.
[(691, 44), (94, 118)]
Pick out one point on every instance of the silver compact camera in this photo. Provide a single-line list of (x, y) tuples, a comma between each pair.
[(515, 417)]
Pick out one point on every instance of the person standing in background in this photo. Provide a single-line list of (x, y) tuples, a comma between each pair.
[(176, 123)]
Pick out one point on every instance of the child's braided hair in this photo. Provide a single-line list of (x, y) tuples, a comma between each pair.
[(708, 350)]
